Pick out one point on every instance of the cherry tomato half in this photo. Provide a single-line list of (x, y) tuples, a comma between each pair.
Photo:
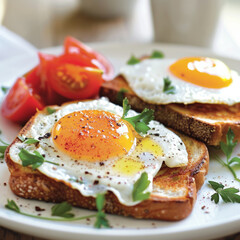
[(44, 87), (91, 58), (75, 82), (21, 102)]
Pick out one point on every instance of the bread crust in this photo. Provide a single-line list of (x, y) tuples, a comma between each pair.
[(32, 184), (208, 123)]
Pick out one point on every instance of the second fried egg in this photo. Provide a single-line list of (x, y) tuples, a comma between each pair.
[(195, 79)]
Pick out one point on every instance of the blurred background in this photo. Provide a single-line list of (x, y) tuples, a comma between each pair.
[(45, 23)]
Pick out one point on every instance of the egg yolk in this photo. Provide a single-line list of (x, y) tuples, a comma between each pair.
[(204, 72), (93, 135), (131, 164)]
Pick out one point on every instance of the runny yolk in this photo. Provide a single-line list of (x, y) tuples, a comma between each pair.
[(204, 72), (131, 164), (93, 135)]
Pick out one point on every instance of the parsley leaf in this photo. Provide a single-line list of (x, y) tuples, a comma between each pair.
[(168, 88), (35, 160), (139, 122), (120, 95), (3, 147), (62, 210), (51, 110), (139, 186), (4, 89), (12, 206), (157, 54), (100, 216), (227, 149), (31, 141), (133, 60), (28, 140), (2, 151), (216, 185), (227, 194), (126, 107)]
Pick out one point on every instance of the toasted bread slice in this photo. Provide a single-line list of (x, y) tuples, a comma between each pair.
[(208, 123), (173, 196)]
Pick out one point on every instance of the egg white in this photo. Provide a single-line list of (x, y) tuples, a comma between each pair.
[(88, 173), (146, 80)]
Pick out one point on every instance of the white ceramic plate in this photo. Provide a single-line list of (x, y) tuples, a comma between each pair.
[(207, 220)]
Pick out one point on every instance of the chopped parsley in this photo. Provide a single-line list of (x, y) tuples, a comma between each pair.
[(28, 140), (139, 122), (133, 60), (3, 147), (120, 95), (5, 89), (157, 54), (168, 88), (139, 187), (50, 110), (35, 160)]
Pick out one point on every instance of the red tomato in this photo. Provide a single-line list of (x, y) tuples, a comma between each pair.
[(73, 47), (21, 102), (32, 78), (44, 86), (75, 82)]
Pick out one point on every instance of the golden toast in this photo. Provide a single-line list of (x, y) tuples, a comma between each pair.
[(174, 189)]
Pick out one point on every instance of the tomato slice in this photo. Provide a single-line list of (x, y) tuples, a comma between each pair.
[(32, 78), (74, 47), (75, 82), (44, 86), (21, 102)]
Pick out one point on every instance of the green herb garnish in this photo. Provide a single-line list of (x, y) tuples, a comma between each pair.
[(3, 147), (28, 140), (11, 205), (227, 149), (120, 95), (157, 54), (51, 110), (139, 122), (133, 60), (31, 141), (4, 89), (168, 88), (227, 194), (2, 151), (139, 187), (101, 216), (35, 160), (63, 209)]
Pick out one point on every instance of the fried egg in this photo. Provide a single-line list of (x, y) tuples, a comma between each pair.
[(195, 79), (97, 151)]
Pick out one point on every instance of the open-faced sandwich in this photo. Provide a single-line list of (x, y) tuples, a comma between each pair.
[(195, 95), (85, 148)]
